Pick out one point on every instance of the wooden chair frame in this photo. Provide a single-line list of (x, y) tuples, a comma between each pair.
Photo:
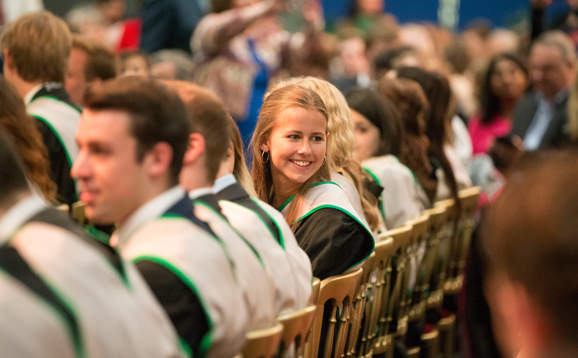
[(296, 329), (263, 343), (340, 292), (389, 314)]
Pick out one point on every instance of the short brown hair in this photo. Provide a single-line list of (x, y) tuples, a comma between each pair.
[(531, 235), (157, 114), (209, 118), (100, 61), (39, 44)]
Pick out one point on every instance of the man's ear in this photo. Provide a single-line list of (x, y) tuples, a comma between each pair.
[(8, 61), (157, 161), (195, 148)]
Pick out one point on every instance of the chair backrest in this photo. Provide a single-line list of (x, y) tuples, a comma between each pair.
[(395, 289), (431, 265), (469, 201), (381, 291), (263, 343), (448, 239), (336, 293), (296, 329), (415, 249), (364, 293), (78, 213), (314, 290), (63, 208)]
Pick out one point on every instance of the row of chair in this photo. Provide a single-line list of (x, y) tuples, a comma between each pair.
[(397, 295)]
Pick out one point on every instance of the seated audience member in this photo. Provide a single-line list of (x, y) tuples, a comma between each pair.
[(36, 48), (64, 294), (291, 171), (241, 45), (355, 67), (395, 58), (409, 99), (345, 169), (451, 173), (169, 24), (132, 138), (531, 252), (172, 65), (22, 130), (504, 84), (379, 135), (90, 61), (540, 118), (133, 64), (205, 152), (263, 226)]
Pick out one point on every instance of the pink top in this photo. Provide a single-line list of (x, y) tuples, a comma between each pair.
[(484, 134)]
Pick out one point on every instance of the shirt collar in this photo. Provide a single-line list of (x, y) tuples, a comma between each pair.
[(28, 97), (153, 209), (224, 182), (18, 214), (193, 194), (558, 97)]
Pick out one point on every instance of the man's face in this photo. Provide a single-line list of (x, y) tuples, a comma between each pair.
[(549, 72), (75, 83), (113, 184)]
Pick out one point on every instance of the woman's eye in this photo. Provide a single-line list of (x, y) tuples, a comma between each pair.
[(361, 130), (293, 136), (317, 139)]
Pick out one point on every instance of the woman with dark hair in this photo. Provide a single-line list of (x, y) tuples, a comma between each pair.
[(380, 138), (505, 82), (452, 175), (21, 128)]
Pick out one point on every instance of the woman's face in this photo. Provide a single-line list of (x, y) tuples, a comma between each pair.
[(296, 146), (508, 81), (366, 136)]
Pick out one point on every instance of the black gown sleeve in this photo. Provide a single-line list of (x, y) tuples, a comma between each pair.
[(179, 301), (334, 242), (59, 167)]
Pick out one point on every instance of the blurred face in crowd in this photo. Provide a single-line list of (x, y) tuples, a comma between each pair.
[(111, 180), (244, 3), (113, 10), (353, 57), (549, 72), (371, 7), (366, 136), (508, 80), (296, 146), (75, 83), (135, 66)]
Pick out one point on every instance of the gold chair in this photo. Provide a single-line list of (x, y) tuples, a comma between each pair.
[(63, 208), (336, 294), (360, 306), (78, 213), (378, 298), (263, 343), (448, 240), (296, 328), (415, 308), (314, 290), (390, 320)]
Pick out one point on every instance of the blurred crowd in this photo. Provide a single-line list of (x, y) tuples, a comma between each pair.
[(412, 113)]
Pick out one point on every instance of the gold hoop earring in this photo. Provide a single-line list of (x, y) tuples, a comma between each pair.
[(265, 159)]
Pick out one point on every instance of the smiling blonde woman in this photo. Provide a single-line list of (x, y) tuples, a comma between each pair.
[(291, 171)]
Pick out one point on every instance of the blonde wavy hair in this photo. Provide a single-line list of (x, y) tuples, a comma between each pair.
[(291, 96), (240, 170), (342, 145)]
